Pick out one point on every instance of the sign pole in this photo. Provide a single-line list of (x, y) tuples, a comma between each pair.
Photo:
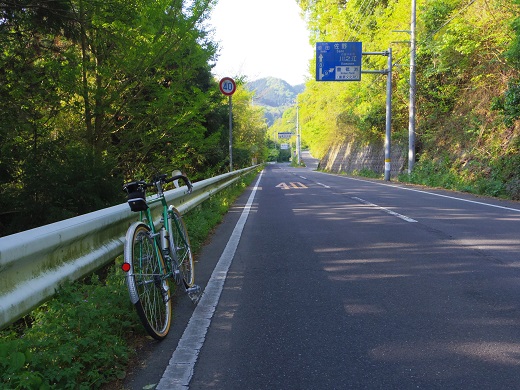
[(228, 87), (230, 134), (298, 137), (341, 61)]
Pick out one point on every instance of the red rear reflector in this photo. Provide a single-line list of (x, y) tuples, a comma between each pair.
[(125, 267)]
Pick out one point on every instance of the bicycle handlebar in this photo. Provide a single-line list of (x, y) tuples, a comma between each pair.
[(160, 179), (184, 179)]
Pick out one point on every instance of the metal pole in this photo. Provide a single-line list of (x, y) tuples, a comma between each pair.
[(388, 137), (411, 119), (230, 135), (298, 137)]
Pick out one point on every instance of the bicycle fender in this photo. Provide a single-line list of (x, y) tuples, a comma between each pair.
[(134, 297)]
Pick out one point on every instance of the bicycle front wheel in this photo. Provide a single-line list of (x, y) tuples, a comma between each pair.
[(182, 247), (147, 281)]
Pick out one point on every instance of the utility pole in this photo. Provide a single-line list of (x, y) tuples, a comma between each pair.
[(298, 137), (388, 137), (411, 119)]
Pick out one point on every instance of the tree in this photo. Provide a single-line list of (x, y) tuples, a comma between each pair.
[(99, 91), (249, 128)]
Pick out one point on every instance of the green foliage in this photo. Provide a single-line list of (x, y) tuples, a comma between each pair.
[(64, 181), (76, 341), (367, 173), (434, 172), (513, 53), (496, 176), (249, 129), (509, 104), (284, 155), (436, 13)]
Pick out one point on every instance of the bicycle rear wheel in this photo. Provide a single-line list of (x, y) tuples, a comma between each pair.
[(182, 247), (147, 281)]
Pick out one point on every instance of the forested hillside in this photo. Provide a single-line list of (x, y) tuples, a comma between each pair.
[(468, 87), (101, 91), (274, 95)]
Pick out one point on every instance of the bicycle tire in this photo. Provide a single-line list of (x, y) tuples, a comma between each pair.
[(181, 242), (147, 281)]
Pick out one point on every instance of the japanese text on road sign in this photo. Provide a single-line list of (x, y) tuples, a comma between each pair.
[(338, 61), (285, 134)]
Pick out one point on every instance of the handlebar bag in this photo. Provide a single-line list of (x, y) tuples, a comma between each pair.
[(136, 197)]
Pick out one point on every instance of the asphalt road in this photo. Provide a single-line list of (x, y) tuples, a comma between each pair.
[(340, 283)]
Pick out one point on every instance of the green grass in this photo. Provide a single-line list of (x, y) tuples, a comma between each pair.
[(86, 336), (368, 173), (497, 179)]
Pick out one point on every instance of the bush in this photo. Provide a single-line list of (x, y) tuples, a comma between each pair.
[(77, 340), (368, 173), (498, 178), (513, 189)]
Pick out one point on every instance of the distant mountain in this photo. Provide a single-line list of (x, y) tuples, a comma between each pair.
[(275, 95)]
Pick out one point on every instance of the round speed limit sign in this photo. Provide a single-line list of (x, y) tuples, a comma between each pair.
[(227, 86)]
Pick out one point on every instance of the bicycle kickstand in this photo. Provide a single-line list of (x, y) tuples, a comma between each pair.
[(194, 292)]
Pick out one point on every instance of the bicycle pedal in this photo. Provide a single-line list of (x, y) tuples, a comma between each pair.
[(194, 292), (164, 291)]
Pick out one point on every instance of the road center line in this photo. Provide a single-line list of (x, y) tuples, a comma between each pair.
[(323, 185), (180, 369), (403, 217)]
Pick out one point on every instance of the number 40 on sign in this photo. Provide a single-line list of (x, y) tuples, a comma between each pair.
[(227, 86)]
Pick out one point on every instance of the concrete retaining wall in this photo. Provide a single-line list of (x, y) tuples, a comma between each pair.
[(350, 156)]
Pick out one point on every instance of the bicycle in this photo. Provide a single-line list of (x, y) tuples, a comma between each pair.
[(153, 256)]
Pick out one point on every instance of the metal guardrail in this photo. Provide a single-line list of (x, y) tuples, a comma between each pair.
[(35, 262)]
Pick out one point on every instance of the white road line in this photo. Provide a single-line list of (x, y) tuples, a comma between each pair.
[(180, 369), (323, 185), (303, 177), (403, 217), (434, 194)]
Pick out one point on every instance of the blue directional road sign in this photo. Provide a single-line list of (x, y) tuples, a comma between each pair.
[(338, 61)]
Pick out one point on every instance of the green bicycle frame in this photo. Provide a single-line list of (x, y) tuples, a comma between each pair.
[(146, 217)]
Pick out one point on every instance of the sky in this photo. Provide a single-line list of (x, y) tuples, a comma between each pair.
[(261, 38)]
